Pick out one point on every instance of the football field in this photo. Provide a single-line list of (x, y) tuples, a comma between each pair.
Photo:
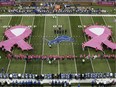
[(42, 27)]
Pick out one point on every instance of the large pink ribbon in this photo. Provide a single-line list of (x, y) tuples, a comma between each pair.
[(100, 35), (16, 35)]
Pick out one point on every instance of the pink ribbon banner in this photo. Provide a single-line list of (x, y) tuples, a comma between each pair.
[(99, 35), (16, 36)]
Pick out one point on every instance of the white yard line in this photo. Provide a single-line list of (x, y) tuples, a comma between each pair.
[(29, 43), (58, 48), (8, 66), (87, 49), (24, 67), (13, 51), (92, 19), (113, 40), (43, 45), (72, 45)]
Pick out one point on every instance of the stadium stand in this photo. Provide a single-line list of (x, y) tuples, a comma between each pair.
[(64, 80), (57, 7)]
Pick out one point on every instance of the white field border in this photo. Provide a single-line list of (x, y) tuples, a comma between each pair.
[(59, 15)]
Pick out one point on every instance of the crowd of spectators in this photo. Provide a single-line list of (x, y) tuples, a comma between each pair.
[(50, 8), (78, 10), (68, 76), (57, 79)]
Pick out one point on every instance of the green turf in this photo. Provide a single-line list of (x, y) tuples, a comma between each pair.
[(66, 48), (61, 49), (37, 43), (92, 51), (75, 21), (44, 29)]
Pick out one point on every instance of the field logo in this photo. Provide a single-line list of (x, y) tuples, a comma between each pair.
[(16, 36), (60, 39), (99, 35)]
